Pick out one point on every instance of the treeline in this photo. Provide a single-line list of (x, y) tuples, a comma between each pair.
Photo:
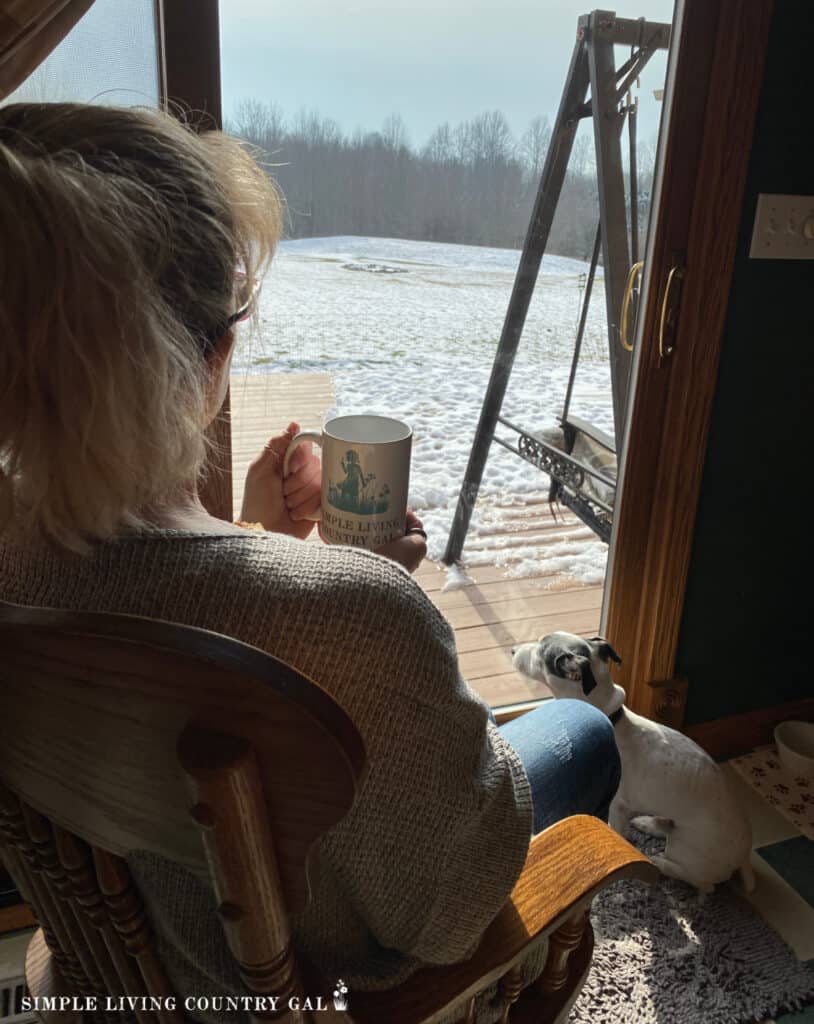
[(472, 183)]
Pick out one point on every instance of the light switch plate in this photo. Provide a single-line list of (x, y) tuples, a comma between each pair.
[(784, 228)]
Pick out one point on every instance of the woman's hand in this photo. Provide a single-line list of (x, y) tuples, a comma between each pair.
[(409, 550), (280, 504)]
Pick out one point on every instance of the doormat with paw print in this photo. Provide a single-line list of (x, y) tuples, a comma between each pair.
[(793, 797)]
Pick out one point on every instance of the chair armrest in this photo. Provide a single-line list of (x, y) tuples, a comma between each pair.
[(566, 866)]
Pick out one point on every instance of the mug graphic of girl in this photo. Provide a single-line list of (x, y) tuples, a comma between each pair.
[(351, 494)]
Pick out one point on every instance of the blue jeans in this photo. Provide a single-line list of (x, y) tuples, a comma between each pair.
[(568, 750)]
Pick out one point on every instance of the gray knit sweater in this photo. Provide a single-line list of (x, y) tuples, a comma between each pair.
[(441, 827)]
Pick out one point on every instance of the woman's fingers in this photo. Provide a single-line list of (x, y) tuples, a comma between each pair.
[(300, 457), (302, 490), (275, 448), (307, 507), (280, 442), (408, 551), (413, 522), (307, 476)]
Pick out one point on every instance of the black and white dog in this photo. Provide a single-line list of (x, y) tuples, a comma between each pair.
[(670, 787)]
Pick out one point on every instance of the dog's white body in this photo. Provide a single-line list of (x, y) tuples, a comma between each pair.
[(670, 787)]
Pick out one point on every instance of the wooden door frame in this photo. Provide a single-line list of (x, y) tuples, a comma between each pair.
[(190, 85), (713, 89)]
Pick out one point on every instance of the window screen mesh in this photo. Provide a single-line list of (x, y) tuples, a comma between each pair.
[(111, 56)]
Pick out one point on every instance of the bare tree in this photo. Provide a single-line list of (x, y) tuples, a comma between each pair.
[(492, 137), (646, 160), (262, 124), (582, 155), (462, 142), (394, 133), (471, 183), (534, 146), (439, 147), (311, 127)]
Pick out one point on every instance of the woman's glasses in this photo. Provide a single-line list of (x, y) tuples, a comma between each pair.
[(243, 313), (246, 309)]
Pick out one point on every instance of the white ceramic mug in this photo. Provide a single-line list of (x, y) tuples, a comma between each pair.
[(365, 478)]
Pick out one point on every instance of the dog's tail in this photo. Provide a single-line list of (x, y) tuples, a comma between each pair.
[(747, 876)]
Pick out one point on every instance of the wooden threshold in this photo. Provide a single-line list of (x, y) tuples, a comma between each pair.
[(15, 918)]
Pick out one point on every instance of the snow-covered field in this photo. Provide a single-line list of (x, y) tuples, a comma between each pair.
[(409, 329)]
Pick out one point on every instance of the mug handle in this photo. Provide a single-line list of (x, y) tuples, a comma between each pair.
[(294, 443)]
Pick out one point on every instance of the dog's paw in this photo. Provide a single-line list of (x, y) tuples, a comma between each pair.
[(747, 877), (652, 826)]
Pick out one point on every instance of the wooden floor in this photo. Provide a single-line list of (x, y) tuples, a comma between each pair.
[(490, 615)]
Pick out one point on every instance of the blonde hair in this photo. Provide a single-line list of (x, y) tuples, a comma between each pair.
[(122, 232)]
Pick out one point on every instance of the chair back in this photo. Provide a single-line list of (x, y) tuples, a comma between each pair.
[(120, 733)]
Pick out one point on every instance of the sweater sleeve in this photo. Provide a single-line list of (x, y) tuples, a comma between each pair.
[(440, 830)]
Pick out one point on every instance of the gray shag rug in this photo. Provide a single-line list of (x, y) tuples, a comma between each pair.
[(661, 957)]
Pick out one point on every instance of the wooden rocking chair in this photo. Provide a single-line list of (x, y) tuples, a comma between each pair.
[(120, 733)]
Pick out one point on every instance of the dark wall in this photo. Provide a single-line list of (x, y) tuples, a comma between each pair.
[(745, 640)]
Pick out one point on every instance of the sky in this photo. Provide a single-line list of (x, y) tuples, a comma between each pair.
[(358, 61)]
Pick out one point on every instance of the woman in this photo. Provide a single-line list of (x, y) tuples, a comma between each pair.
[(129, 248)]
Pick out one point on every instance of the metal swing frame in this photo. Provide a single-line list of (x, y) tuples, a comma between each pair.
[(592, 66)]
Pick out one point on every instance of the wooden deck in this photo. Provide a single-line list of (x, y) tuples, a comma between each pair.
[(497, 612), (264, 405), (489, 616)]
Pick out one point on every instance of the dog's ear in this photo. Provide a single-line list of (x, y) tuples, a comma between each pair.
[(605, 650), (588, 681), (577, 668)]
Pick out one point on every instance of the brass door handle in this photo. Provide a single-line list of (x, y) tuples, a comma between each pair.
[(668, 312), (631, 277)]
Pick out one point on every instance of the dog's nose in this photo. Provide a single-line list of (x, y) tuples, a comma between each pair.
[(514, 649)]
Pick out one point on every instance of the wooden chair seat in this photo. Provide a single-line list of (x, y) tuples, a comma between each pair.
[(122, 734)]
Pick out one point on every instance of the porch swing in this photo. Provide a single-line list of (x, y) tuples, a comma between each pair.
[(579, 458)]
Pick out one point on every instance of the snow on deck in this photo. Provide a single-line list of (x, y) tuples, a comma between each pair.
[(409, 329)]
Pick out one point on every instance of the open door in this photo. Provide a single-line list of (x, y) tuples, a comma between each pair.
[(713, 86)]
